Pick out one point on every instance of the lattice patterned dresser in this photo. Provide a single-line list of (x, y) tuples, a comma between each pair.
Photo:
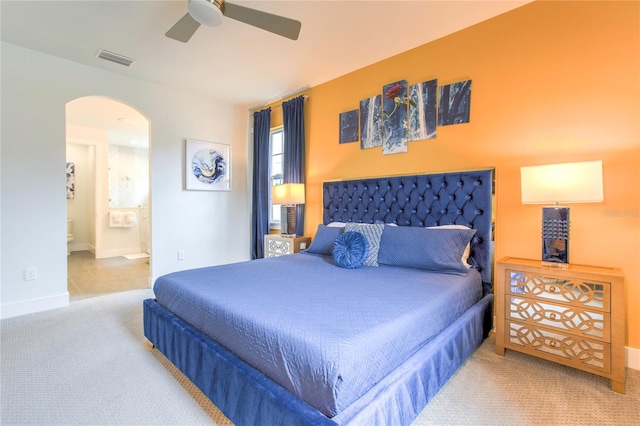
[(573, 316), (278, 245)]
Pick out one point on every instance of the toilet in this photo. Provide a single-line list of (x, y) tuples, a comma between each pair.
[(69, 235)]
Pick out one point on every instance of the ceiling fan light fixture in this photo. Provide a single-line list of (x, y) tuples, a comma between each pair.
[(207, 12), (211, 13)]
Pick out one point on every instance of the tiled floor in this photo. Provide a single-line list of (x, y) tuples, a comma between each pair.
[(89, 277)]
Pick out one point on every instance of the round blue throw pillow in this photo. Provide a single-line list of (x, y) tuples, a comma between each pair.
[(350, 250)]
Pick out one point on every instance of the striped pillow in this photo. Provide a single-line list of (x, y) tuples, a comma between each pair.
[(373, 233)]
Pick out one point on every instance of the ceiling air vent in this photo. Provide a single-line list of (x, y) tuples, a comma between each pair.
[(114, 57)]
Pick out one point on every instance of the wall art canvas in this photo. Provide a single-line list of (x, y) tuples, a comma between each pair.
[(370, 122), (422, 110), (455, 103), (394, 117), (71, 181), (349, 126), (208, 166)]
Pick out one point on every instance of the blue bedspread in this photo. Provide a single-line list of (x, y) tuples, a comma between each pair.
[(325, 333)]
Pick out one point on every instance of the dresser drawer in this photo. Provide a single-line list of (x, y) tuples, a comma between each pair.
[(278, 245), (568, 319), (567, 290), (571, 350)]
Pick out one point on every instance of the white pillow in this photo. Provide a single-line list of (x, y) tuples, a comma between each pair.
[(337, 224), (467, 250)]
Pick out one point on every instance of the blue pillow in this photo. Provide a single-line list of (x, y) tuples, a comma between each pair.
[(438, 250), (350, 250), (323, 241)]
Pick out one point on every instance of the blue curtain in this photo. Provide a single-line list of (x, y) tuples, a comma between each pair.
[(261, 184), (294, 169)]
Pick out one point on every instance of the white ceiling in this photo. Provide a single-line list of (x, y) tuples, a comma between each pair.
[(236, 62)]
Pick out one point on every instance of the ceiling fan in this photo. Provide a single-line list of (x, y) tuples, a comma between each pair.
[(211, 12)]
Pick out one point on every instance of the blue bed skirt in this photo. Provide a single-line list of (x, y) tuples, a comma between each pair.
[(247, 397)]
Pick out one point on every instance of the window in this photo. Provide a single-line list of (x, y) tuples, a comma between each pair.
[(276, 170)]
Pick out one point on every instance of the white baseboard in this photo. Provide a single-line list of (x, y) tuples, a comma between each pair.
[(119, 252), (633, 358), (82, 247), (15, 309)]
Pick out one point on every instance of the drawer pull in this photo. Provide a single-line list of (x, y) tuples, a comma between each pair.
[(553, 344), (552, 289), (552, 316)]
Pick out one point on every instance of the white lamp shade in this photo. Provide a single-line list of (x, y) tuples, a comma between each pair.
[(562, 183), (288, 193)]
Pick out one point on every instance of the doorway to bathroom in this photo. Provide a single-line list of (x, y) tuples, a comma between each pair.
[(108, 211)]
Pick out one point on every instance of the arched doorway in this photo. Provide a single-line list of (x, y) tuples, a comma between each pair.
[(108, 203)]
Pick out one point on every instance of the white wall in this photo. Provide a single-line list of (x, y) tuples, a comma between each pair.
[(211, 227)]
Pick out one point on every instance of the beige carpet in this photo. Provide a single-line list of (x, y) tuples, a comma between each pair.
[(522, 390), (89, 364)]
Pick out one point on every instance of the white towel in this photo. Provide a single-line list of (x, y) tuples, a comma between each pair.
[(116, 219), (129, 219)]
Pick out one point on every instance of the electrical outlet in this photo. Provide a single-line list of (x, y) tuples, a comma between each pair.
[(180, 254), (30, 274)]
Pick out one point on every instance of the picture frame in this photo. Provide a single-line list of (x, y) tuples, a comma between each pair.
[(371, 122), (423, 110), (71, 181), (207, 166), (455, 103), (349, 126), (394, 117)]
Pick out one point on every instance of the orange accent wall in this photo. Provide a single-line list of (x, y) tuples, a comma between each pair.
[(551, 82)]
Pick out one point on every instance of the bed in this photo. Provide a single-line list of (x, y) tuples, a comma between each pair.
[(298, 340)]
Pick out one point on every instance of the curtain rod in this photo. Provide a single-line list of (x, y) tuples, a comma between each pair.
[(305, 97), (289, 95)]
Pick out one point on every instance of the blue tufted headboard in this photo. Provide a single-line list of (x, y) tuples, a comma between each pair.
[(462, 198)]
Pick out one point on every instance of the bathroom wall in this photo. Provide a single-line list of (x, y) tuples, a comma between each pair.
[(81, 207), (128, 176), (120, 240), (92, 220), (95, 141), (128, 191)]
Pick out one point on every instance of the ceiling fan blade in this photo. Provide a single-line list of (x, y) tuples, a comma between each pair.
[(183, 29), (289, 28)]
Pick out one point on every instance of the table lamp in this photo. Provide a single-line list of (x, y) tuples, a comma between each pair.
[(288, 195), (554, 184)]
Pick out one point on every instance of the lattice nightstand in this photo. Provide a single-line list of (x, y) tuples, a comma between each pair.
[(277, 245), (573, 316)]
